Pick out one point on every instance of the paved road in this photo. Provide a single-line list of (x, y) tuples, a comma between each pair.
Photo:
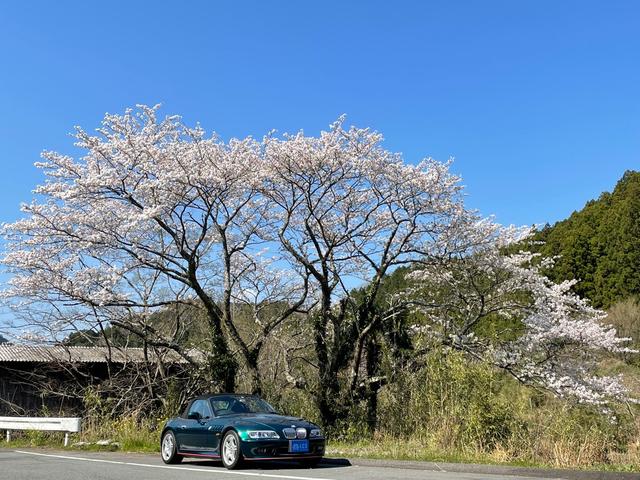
[(53, 465)]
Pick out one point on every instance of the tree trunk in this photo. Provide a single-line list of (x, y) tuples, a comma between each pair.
[(327, 400), (220, 361), (371, 393), (254, 373)]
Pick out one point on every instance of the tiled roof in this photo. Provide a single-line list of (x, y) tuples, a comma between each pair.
[(59, 353)]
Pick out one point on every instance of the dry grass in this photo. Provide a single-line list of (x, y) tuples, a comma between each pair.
[(544, 452)]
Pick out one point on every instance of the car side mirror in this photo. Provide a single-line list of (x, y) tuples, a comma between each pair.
[(194, 416)]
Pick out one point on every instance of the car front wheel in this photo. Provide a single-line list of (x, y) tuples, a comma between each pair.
[(231, 453), (169, 449)]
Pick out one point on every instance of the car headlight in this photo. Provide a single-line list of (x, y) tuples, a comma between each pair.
[(260, 434), (315, 433)]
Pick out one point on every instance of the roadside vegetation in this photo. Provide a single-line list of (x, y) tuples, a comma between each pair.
[(451, 411)]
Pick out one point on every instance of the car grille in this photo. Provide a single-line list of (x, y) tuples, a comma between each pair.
[(291, 433)]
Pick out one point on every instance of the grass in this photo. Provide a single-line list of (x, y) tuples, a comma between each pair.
[(145, 440), (416, 450)]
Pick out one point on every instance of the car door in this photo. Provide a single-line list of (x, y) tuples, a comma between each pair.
[(204, 434), (180, 428), (190, 430)]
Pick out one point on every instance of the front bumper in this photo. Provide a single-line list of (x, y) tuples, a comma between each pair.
[(279, 449)]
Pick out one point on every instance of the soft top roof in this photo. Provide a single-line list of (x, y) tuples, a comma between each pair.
[(212, 395)]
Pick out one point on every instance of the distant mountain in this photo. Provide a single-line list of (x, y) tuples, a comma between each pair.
[(600, 245), (3, 340)]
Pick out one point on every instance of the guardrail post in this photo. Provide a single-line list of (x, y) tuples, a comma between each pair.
[(8, 436), (66, 439)]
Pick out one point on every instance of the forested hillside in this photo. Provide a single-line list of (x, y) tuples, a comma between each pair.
[(600, 245)]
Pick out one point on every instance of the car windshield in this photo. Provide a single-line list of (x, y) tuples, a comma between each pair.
[(234, 404)]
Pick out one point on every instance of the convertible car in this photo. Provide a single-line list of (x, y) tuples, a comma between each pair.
[(235, 428)]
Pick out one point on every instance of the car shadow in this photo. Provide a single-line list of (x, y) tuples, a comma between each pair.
[(326, 463)]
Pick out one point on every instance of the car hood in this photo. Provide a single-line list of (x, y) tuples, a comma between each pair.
[(270, 421)]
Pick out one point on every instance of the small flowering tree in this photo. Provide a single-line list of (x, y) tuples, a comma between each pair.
[(500, 308)]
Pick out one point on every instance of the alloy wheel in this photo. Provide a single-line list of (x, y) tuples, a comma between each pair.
[(231, 450), (167, 447)]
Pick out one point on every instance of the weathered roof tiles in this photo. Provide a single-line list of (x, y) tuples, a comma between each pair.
[(60, 353)]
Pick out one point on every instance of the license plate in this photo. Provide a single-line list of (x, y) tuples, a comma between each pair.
[(298, 446)]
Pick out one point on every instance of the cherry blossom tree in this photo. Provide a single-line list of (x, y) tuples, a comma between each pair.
[(267, 298), (348, 212), (494, 303), (150, 199), (292, 231)]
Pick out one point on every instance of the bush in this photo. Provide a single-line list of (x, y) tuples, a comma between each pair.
[(454, 409), (451, 401)]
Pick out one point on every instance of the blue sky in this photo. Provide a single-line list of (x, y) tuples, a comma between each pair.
[(537, 101)]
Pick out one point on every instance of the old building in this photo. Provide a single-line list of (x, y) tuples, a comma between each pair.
[(54, 379)]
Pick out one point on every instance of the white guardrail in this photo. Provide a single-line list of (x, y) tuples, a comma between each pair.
[(52, 424)]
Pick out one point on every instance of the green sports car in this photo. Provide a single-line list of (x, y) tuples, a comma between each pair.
[(235, 428)]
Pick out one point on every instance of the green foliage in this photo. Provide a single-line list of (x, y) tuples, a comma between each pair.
[(294, 402), (600, 245), (451, 398), (449, 409), (625, 316), (130, 433), (117, 337), (454, 409), (188, 320)]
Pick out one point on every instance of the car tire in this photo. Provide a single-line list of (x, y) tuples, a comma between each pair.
[(169, 448), (230, 450), (310, 462)]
